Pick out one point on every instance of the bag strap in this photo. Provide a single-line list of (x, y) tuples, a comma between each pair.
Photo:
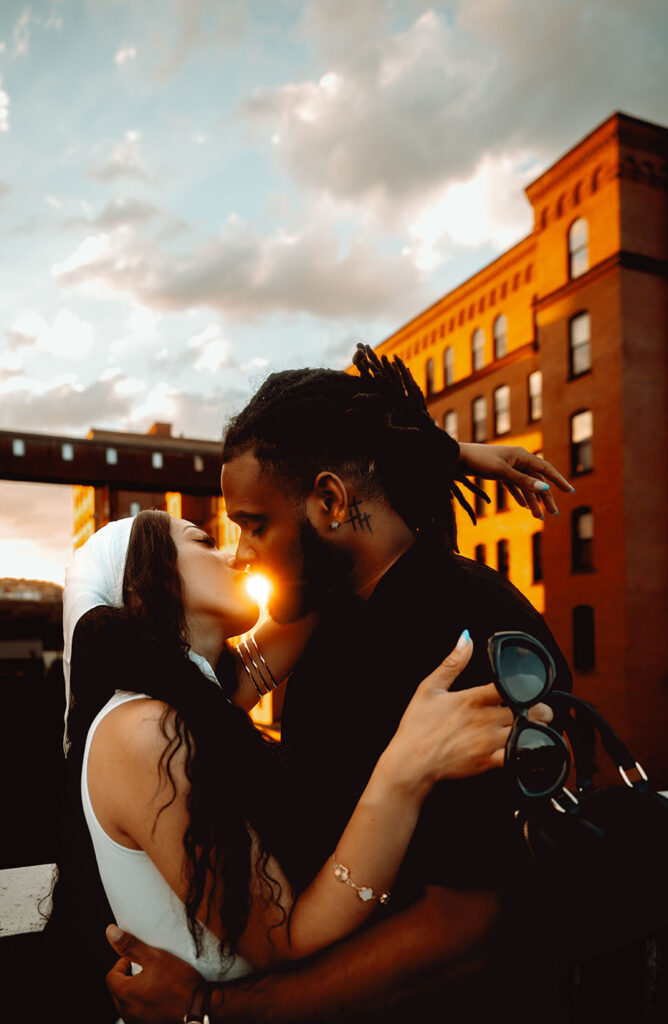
[(615, 748)]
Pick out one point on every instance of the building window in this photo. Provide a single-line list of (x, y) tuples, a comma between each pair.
[(198, 463), (111, 456), (477, 349), (503, 557), (502, 410), (449, 366), (501, 497), (18, 446), (582, 539), (500, 332), (582, 429), (584, 650), (537, 557), (535, 395), (578, 248), (450, 423), (156, 460), (579, 338), (479, 503), (135, 508), (479, 415), (480, 554), (429, 377), (67, 452)]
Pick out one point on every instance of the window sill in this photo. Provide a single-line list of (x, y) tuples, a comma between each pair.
[(576, 376)]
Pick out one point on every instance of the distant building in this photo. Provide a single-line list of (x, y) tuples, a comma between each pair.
[(96, 505), (560, 345)]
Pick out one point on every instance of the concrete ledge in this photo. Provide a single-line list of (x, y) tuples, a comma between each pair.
[(23, 893)]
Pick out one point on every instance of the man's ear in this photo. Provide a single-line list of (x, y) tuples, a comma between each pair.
[(327, 504)]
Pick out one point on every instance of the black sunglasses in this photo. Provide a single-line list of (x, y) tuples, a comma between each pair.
[(524, 673)]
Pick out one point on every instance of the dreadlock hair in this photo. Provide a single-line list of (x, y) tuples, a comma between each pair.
[(374, 427)]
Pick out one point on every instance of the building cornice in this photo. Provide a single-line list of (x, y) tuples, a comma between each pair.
[(623, 260)]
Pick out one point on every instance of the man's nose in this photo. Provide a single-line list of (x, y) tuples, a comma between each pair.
[(244, 556)]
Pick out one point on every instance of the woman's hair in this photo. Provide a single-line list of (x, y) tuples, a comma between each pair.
[(143, 647), (374, 427)]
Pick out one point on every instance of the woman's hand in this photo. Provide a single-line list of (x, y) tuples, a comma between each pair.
[(526, 476), (446, 735)]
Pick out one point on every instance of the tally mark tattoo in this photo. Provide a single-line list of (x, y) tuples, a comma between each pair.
[(358, 520)]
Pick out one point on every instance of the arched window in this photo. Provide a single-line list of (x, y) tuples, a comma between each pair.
[(577, 193), (450, 425), (579, 341), (537, 557), (501, 497), (477, 349), (429, 377), (535, 382), (503, 557), (502, 409), (448, 366), (578, 247), (479, 418), (500, 331), (582, 539), (584, 647), (582, 430), (480, 553), (596, 180)]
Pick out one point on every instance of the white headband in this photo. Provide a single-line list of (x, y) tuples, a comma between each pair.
[(94, 578)]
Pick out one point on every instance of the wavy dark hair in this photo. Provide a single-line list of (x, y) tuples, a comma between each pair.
[(374, 427), (143, 647)]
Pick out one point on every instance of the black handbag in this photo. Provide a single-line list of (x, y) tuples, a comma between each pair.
[(600, 853)]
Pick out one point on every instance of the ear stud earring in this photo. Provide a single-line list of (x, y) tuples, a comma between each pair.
[(334, 525)]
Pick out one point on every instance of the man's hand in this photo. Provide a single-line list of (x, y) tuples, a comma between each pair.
[(526, 476), (161, 993)]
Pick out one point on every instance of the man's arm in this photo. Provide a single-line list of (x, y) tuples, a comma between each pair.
[(360, 976)]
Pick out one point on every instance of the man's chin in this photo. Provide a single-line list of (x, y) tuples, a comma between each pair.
[(288, 606)]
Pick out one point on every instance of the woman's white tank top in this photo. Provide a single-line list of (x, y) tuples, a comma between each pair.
[(140, 898)]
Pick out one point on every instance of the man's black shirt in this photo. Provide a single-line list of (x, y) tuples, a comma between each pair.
[(343, 704), (346, 696)]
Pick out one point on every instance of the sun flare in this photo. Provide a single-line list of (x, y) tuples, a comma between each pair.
[(259, 588)]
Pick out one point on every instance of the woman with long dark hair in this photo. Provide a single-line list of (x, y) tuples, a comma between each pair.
[(182, 793)]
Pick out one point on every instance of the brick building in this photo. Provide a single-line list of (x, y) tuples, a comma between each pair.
[(559, 345)]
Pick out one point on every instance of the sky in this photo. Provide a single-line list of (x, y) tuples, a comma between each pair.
[(194, 193)]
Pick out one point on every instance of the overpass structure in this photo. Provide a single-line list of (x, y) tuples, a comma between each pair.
[(155, 462)]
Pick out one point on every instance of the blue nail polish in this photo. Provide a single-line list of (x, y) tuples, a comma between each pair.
[(540, 485), (572, 490)]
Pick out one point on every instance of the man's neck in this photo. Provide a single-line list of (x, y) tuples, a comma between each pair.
[(376, 553)]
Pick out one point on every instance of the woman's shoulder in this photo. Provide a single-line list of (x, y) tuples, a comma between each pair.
[(136, 729)]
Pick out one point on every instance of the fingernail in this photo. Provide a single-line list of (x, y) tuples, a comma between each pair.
[(463, 641), (114, 933), (540, 485), (572, 490)]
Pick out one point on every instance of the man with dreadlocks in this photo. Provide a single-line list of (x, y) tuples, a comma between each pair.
[(342, 486)]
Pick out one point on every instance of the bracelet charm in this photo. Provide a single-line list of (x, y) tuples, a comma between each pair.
[(364, 892)]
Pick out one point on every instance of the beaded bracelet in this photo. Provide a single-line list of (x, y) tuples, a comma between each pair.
[(364, 892)]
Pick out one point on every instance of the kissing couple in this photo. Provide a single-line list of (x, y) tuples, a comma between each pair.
[(367, 866)]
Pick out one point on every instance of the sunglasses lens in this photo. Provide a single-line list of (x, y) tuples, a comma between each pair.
[(523, 673), (538, 761)]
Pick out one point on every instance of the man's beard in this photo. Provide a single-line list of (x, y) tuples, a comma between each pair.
[(326, 578)]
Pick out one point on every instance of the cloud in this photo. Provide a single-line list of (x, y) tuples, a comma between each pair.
[(124, 54), (121, 211), (211, 349), (4, 112), (400, 114), (242, 273), (194, 26), (124, 160), (35, 530), (21, 33), (489, 207), (66, 337)]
